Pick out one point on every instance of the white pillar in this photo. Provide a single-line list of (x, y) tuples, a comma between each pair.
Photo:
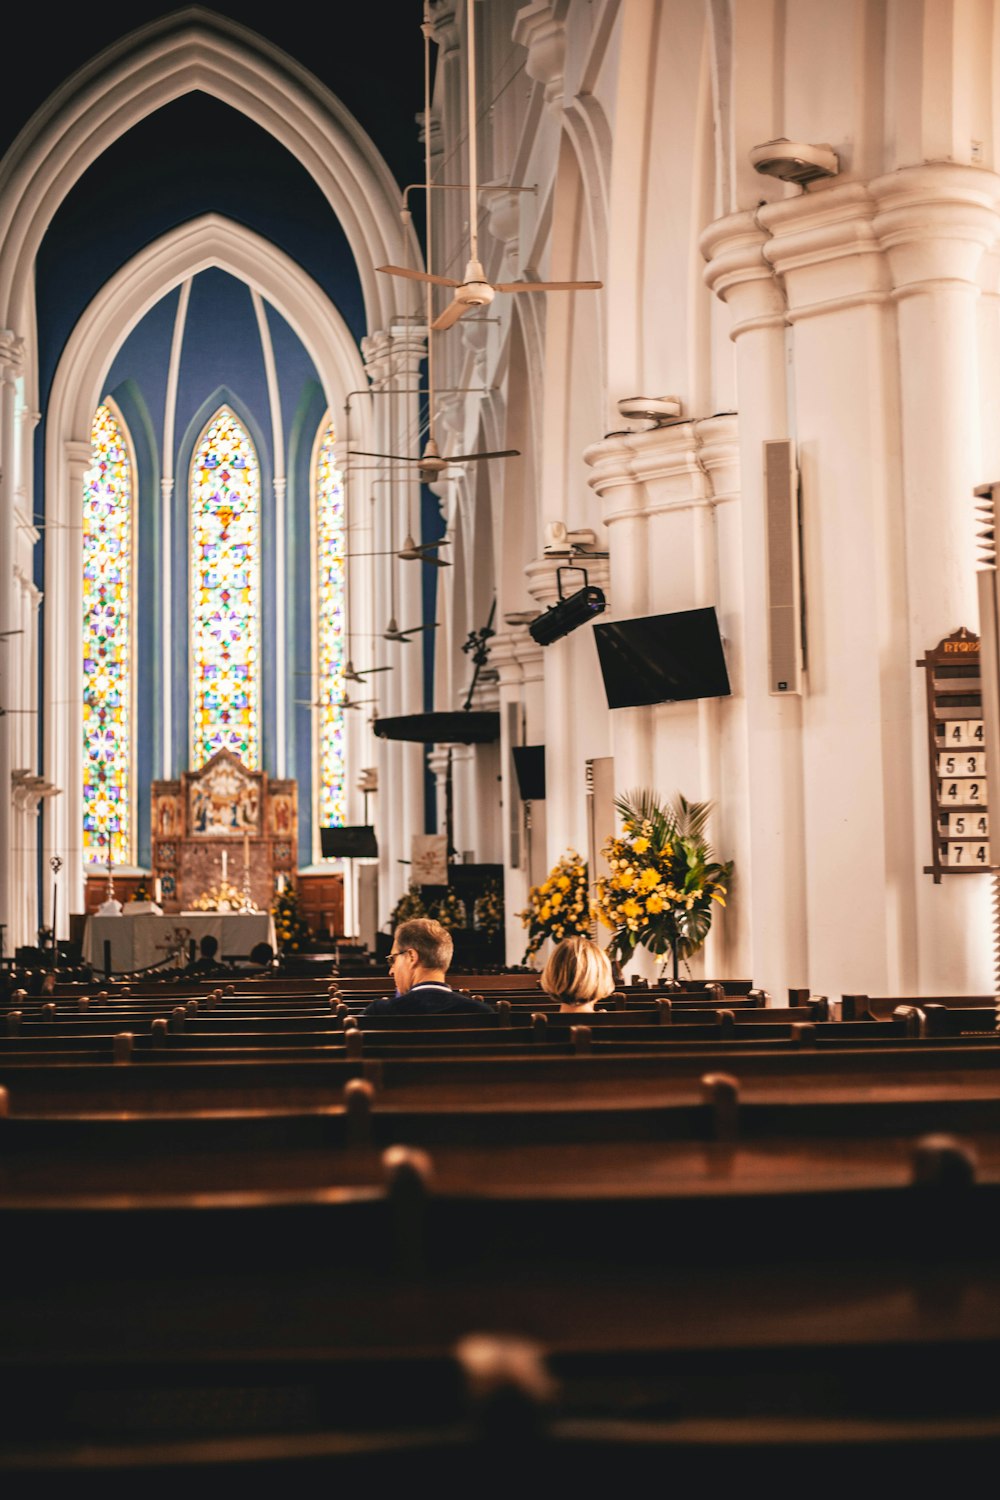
[(63, 831), (574, 709), (669, 499), (11, 358), (934, 224)]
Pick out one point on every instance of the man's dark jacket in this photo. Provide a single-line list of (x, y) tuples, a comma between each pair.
[(426, 999)]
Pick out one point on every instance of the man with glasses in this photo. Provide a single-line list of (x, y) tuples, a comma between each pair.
[(421, 954)]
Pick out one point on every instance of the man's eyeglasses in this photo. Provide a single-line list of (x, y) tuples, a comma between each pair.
[(394, 956)]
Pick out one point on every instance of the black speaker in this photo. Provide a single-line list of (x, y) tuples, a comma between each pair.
[(529, 763), (357, 842)]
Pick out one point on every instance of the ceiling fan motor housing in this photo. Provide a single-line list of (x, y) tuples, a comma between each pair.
[(475, 294)]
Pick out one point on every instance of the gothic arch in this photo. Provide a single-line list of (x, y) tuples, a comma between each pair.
[(76, 389), (195, 49)]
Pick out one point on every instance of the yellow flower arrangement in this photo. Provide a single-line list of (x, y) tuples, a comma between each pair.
[(449, 910), (560, 906), (663, 879), (488, 910)]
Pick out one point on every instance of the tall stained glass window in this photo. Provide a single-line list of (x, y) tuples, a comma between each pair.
[(329, 584), (107, 643), (225, 593)]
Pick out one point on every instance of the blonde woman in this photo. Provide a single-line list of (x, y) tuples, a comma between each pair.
[(578, 974)]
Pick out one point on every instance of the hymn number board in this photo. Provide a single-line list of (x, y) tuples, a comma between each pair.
[(959, 788)]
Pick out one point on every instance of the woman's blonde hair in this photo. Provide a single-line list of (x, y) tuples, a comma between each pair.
[(578, 971)]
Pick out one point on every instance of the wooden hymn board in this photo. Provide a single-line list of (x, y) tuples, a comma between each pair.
[(960, 818)]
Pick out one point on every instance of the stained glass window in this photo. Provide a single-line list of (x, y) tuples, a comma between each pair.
[(107, 643), (225, 593), (329, 554)]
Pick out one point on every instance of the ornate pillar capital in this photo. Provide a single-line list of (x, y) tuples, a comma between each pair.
[(11, 354), (503, 657), (667, 468), (935, 222), (503, 207), (739, 273), (543, 33), (824, 247), (440, 16)]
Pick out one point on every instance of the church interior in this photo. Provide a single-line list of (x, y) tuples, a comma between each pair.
[(348, 576)]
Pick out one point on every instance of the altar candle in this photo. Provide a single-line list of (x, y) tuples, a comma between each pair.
[(225, 864), (246, 852), (157, 890)]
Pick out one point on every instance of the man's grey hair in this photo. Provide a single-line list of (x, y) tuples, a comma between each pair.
[(432, 942)]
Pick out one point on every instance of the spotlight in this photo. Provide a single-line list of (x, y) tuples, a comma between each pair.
[(568, 612)]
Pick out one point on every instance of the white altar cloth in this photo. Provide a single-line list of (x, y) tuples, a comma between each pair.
[(138, 942)]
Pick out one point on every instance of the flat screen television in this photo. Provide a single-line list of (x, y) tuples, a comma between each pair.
[(662, 658), (355, 842)]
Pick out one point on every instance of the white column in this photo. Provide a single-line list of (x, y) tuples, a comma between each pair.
[(764, 797), (11, 358), (438, 761), (857, 685), (669, 495), (63, 830), (574, 708), (934, 224), (281, 657), (510, 683), (464, 802), (27, 787)]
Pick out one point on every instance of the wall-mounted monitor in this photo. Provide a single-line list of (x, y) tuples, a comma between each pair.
[(353, 842), (662, 658)]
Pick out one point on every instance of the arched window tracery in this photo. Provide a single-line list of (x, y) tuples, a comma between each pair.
[(225, 592), (108, 642), (328, 593)]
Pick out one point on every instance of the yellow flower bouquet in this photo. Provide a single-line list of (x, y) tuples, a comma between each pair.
[(488, 910), (560, 906), (664, 881)]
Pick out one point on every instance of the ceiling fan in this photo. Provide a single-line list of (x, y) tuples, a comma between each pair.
[(430, 463), (393, 633), (344, 702), (410, 551), (474, 290), (351, 674)]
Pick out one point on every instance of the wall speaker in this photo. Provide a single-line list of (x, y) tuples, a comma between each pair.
[(529, 763), (784, 585)]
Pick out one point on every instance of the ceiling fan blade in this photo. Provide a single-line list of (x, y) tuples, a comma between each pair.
[(548, 286), (418, 275), (399, 458), (451, 315), (464, 458), (367, 671)]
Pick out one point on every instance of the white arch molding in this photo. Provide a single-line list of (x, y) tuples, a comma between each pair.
[(210, 241), (197, 50)]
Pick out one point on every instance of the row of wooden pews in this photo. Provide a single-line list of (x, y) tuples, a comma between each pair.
[(252, 1233)]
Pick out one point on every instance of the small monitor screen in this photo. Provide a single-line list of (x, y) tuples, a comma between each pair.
[(662, 658)]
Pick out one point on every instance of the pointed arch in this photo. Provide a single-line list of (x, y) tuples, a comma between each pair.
[(196, 49)]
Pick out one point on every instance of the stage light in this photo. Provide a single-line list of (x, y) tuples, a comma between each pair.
[(567, 613)]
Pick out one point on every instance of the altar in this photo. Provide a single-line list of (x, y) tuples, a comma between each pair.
[(223, 829), (139, 942)]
